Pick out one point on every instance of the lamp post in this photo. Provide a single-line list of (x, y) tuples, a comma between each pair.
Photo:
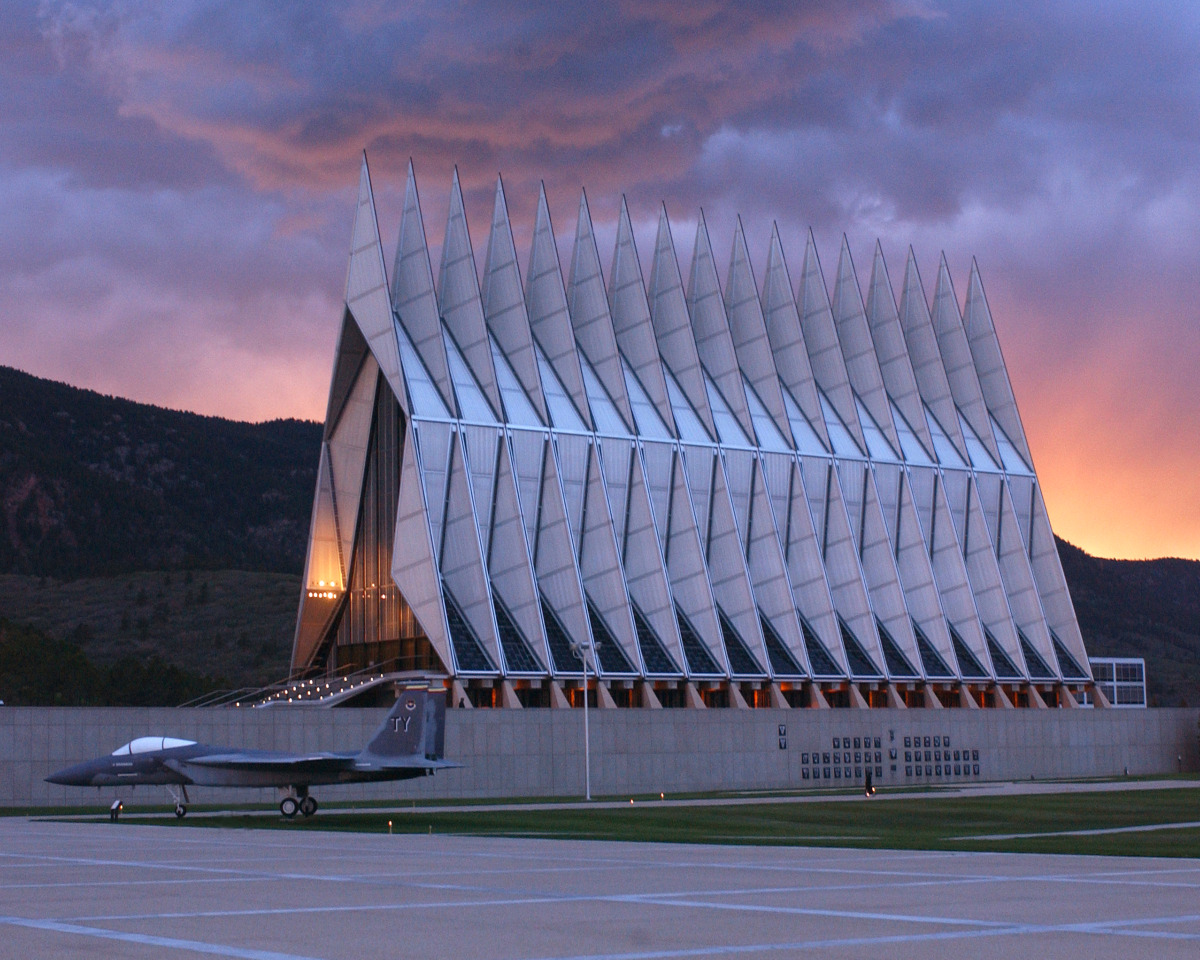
[(580, 650)]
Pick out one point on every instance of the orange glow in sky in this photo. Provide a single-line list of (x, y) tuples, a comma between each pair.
[(178, 185)]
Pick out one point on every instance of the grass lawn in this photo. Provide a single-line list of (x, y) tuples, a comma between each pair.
[(919, 822)]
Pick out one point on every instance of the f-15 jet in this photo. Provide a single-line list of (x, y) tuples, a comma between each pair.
[(410, 743)]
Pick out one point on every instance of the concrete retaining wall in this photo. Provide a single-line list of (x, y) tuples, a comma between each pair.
[(523, 753)]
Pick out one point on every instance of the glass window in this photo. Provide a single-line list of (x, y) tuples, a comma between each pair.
[(558, 401), (604, 412), (947, 454), (422, 392), (149, 744), (649, 423), (728, 429), (913, 451), (471, 401), (877, 444), (805, 436), (980, 458), (769, 437), (839, 436), (516, 405), (686, 421), (1013, 462)]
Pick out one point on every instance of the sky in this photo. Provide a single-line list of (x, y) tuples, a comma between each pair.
[(177, 186)]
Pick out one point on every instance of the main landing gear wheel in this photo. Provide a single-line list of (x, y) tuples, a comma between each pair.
[(308, 806), (180, 811), (288, 807)]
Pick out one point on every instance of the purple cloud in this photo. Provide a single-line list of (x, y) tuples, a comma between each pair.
[(177, 180)]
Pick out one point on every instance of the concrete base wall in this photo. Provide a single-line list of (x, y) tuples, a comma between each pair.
[(524, 753)]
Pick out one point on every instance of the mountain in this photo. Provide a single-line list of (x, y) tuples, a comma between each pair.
[(101, 497), (1141, 608), (96, 485)]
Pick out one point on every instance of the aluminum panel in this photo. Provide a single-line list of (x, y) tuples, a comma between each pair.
[(546, 304), (673, 324), (504, 304), (989, 364), (413, 297), (587, 303), (631, 316), (957, 360), (782, 319), (459, 302), (710, 329), (824, 347), (858, 349), (891, 351)]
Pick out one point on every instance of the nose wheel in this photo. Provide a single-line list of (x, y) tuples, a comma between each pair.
[(178, 793), (289, 806), (308, 806)]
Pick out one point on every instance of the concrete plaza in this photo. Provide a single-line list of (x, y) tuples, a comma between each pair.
[(132, 890)]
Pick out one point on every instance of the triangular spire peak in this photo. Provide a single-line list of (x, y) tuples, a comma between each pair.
[(895, 363), (591, 318), (710, 328), (858, 349), (782, 319), (460, 303), (673, 324), (413, 296), (631, 315), (823, 344), (993, 373), (546, 303), (751, 344), (961, 373), (366, 296), (504, 307)]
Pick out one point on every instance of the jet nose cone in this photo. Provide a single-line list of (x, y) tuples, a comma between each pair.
[(79, 775)]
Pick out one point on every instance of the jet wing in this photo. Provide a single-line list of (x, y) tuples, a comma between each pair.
[(264, 760), (364, 761)]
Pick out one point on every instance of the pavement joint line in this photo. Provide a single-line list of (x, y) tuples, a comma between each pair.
[(196, 946), (1142, 828), (646, 899), (332, 908), (616, 864), (129, 883), (730, 949), (595, 864), (920, 878), (818, 912), (1004, 930)]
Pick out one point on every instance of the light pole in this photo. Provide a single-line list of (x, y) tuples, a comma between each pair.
[(580, 650)]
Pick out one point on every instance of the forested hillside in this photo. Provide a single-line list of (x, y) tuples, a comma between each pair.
[(95, 485)]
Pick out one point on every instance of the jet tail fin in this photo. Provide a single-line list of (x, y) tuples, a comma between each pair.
[(415, 726)]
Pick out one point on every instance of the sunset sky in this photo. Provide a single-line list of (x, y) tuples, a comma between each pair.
[(177, 184)]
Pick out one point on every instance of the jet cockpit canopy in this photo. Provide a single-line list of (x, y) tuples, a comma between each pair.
[(148, 744)]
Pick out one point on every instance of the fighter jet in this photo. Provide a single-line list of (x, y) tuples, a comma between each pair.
[(410, 743)]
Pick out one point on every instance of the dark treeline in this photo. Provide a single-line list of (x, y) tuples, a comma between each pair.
[(38, 670), (95, 485)]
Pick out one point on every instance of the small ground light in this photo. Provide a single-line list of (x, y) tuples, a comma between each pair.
[(389, 827), (662, 796)]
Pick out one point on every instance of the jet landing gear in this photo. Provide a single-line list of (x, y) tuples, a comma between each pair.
[(296, 801), (179, 795)]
